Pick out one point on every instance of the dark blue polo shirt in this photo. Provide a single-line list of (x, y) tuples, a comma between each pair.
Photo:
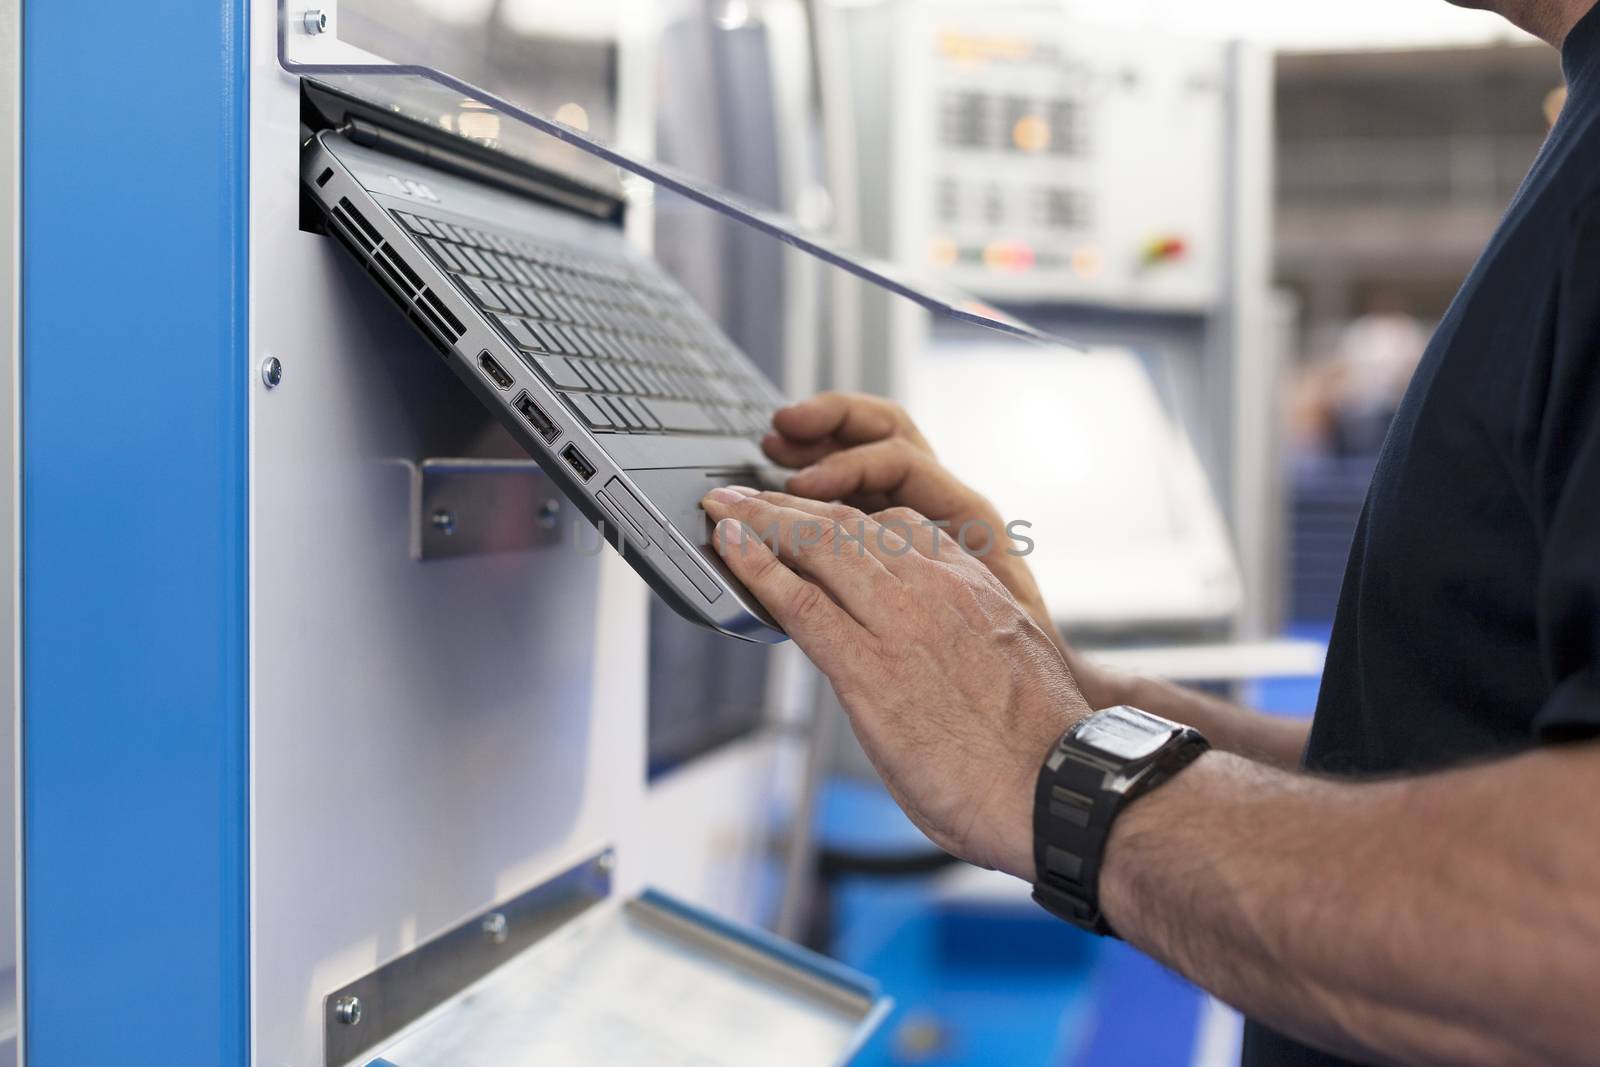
[(1469, 621)]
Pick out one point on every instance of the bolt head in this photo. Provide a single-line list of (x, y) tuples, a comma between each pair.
[(271, 372), (495, 928), (347, 1010), (607, 861), (316, 21), (444, 521)]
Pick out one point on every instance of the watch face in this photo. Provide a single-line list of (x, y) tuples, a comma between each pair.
[(1124, 734)]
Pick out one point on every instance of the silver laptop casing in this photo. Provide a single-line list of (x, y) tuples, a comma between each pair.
[(646, 488)]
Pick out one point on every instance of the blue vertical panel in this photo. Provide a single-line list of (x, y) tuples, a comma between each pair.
[(134, 348)]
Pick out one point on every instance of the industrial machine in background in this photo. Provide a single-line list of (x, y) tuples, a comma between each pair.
[(1058, 162), (1111, 186)]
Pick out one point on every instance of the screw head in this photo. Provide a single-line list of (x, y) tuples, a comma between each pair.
[(271, 372), (549, 514), (347, 1010), (444, 521), (316, 21), (495, 928), (607, 861)]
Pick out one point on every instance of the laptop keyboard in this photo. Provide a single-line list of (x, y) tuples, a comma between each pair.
[(628, 350)]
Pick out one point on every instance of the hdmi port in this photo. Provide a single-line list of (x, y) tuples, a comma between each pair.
[(542, 423), (495, 371)]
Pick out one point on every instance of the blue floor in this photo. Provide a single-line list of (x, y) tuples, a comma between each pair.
[(979, 986), (972, 982), (996, 983), (992, 983)]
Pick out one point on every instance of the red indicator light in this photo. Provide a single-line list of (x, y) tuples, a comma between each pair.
[(1164, 250), (1009, 257)]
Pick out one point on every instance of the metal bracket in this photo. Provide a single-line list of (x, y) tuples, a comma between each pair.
[(376, 1007), (474, 507)]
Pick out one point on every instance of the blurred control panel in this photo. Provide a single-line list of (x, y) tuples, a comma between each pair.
[(1042, 159)]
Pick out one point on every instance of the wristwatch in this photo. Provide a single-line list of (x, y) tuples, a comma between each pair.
[(1096, 770)]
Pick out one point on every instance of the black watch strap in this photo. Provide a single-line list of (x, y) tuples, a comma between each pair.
[(1080, 792)]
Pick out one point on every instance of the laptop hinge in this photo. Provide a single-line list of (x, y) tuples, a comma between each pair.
[(325, 107), (393, 142)]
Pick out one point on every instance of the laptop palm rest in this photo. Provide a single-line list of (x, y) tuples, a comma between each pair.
[(677, 491)]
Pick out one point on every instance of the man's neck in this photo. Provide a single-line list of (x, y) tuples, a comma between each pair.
[(1549, 20)]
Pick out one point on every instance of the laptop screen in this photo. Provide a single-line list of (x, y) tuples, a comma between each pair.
[(564, 68)]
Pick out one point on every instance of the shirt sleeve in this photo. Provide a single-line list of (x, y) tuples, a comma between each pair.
[(1566, 497)]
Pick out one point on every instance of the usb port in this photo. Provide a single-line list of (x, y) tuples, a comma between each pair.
[(582, 467), (536, 417), (494, 370)]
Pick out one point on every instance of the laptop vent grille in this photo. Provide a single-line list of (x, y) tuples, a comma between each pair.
[(431, 329), (384, 262)]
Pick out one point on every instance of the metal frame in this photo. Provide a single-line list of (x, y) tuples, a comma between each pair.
[(1254, 332), (469, 507), (134, 549), (377, 1006), (607, 969)]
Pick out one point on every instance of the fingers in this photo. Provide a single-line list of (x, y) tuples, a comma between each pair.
[(818, 548), (926, 537), (899, 537), (787, 453), (806, 613), (846, 418), (807, 432), (895, 469), (860, 532)]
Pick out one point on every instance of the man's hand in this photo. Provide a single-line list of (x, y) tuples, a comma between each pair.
[(866, 451), (954, 691)]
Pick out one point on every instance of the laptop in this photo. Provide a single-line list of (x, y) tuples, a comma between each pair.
[(632, 400)]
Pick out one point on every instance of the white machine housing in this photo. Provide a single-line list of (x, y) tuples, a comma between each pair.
[(430, 738), (1064, 161), (1112, 186)]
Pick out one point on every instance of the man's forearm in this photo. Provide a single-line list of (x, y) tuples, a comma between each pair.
[(1426, 920), (1229, 727), (1267, 739), (1264, 738)]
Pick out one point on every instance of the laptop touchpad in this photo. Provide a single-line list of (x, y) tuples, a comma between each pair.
[(677, 492)]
